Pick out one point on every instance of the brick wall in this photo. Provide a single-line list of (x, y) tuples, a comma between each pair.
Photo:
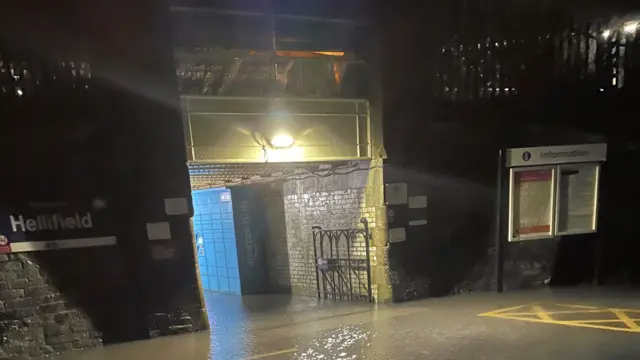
[(337, 201), (276, 249), (35, 318), (70, 299)]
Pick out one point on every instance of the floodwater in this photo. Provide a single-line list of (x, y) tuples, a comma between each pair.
[(290, 328)]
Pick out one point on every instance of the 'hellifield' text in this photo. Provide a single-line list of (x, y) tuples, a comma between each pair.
[(51, 222)]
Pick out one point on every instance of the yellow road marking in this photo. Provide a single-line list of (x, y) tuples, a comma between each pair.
[(537, 314), (500, 311), (626, 319), (560, 312), (567, 323), (578, 306), (541, 314), (274, 353), (594, 321)]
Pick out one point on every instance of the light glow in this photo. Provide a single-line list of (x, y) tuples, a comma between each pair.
[(281, 141), (292, 154), (606, 34), (630, 27)]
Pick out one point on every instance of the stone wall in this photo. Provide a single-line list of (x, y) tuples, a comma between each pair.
[(454, 165), (65, 300), (335, 201), (277, 249), (36, 319), (444, 252)]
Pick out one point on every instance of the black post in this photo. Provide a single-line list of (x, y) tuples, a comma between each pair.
[(366, 242), (598, 261), (597, 251), (499, 218), (316, 230)]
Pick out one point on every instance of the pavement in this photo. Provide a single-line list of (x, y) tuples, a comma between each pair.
[(551, 324)]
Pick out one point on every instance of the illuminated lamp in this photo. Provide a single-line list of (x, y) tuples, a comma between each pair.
[(281, 141)]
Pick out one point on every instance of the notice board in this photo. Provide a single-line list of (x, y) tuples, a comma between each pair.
[(553, 190), (577, 199), (552, 201)]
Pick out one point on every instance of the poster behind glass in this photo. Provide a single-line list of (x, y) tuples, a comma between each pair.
[(532, 204), (577, 198)]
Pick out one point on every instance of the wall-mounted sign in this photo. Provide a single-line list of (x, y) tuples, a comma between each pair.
[(54, 225), (547, 155), (225, 196), (552, 200)]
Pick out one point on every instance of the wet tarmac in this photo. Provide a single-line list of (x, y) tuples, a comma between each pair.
[(285, 328)]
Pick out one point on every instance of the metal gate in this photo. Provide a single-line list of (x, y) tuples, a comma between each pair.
[(343, 263)]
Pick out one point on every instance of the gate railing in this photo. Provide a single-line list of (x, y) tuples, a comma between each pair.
[(343, 263)]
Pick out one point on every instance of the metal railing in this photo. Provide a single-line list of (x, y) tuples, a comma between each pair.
[(230, 129), (604, 57)]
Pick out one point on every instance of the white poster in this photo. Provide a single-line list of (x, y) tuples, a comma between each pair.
[(532, 204), (577, 198)]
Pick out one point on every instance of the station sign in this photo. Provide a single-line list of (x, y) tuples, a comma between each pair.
[(553, 191), (38, 226)]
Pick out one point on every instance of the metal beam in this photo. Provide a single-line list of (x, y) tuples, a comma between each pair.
[(277, 16)]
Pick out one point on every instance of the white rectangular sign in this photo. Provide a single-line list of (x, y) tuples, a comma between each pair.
[(548, 155)]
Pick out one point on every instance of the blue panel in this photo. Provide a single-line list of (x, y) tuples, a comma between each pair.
[(232, 261), (224, 283), (209, 249), (217, 255), (234, 285), (226, 207), (221, 259), (213, 283), (212, 271), (216, 216), (211, 259), (217, 226), (233, 272), (202, 261)]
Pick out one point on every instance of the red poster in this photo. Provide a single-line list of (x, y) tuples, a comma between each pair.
[(5, 247), (532, 206)]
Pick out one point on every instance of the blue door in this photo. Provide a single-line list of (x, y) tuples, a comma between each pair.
[(216, 240)]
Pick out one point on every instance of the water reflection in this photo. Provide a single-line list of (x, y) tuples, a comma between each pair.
[(290, 328), (230, 328), (343, 343)]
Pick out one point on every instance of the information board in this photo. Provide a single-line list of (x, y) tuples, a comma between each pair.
[(577, 199), (531, 203), (553, 190)]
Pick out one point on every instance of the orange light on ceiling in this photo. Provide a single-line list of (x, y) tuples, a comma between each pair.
[(329, 53)]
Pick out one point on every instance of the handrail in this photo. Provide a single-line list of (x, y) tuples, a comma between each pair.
[(272, 98)]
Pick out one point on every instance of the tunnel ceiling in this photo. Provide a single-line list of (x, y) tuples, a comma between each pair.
[(218, 175)]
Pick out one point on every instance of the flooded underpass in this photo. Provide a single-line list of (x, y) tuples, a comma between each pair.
[(526, 325)]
